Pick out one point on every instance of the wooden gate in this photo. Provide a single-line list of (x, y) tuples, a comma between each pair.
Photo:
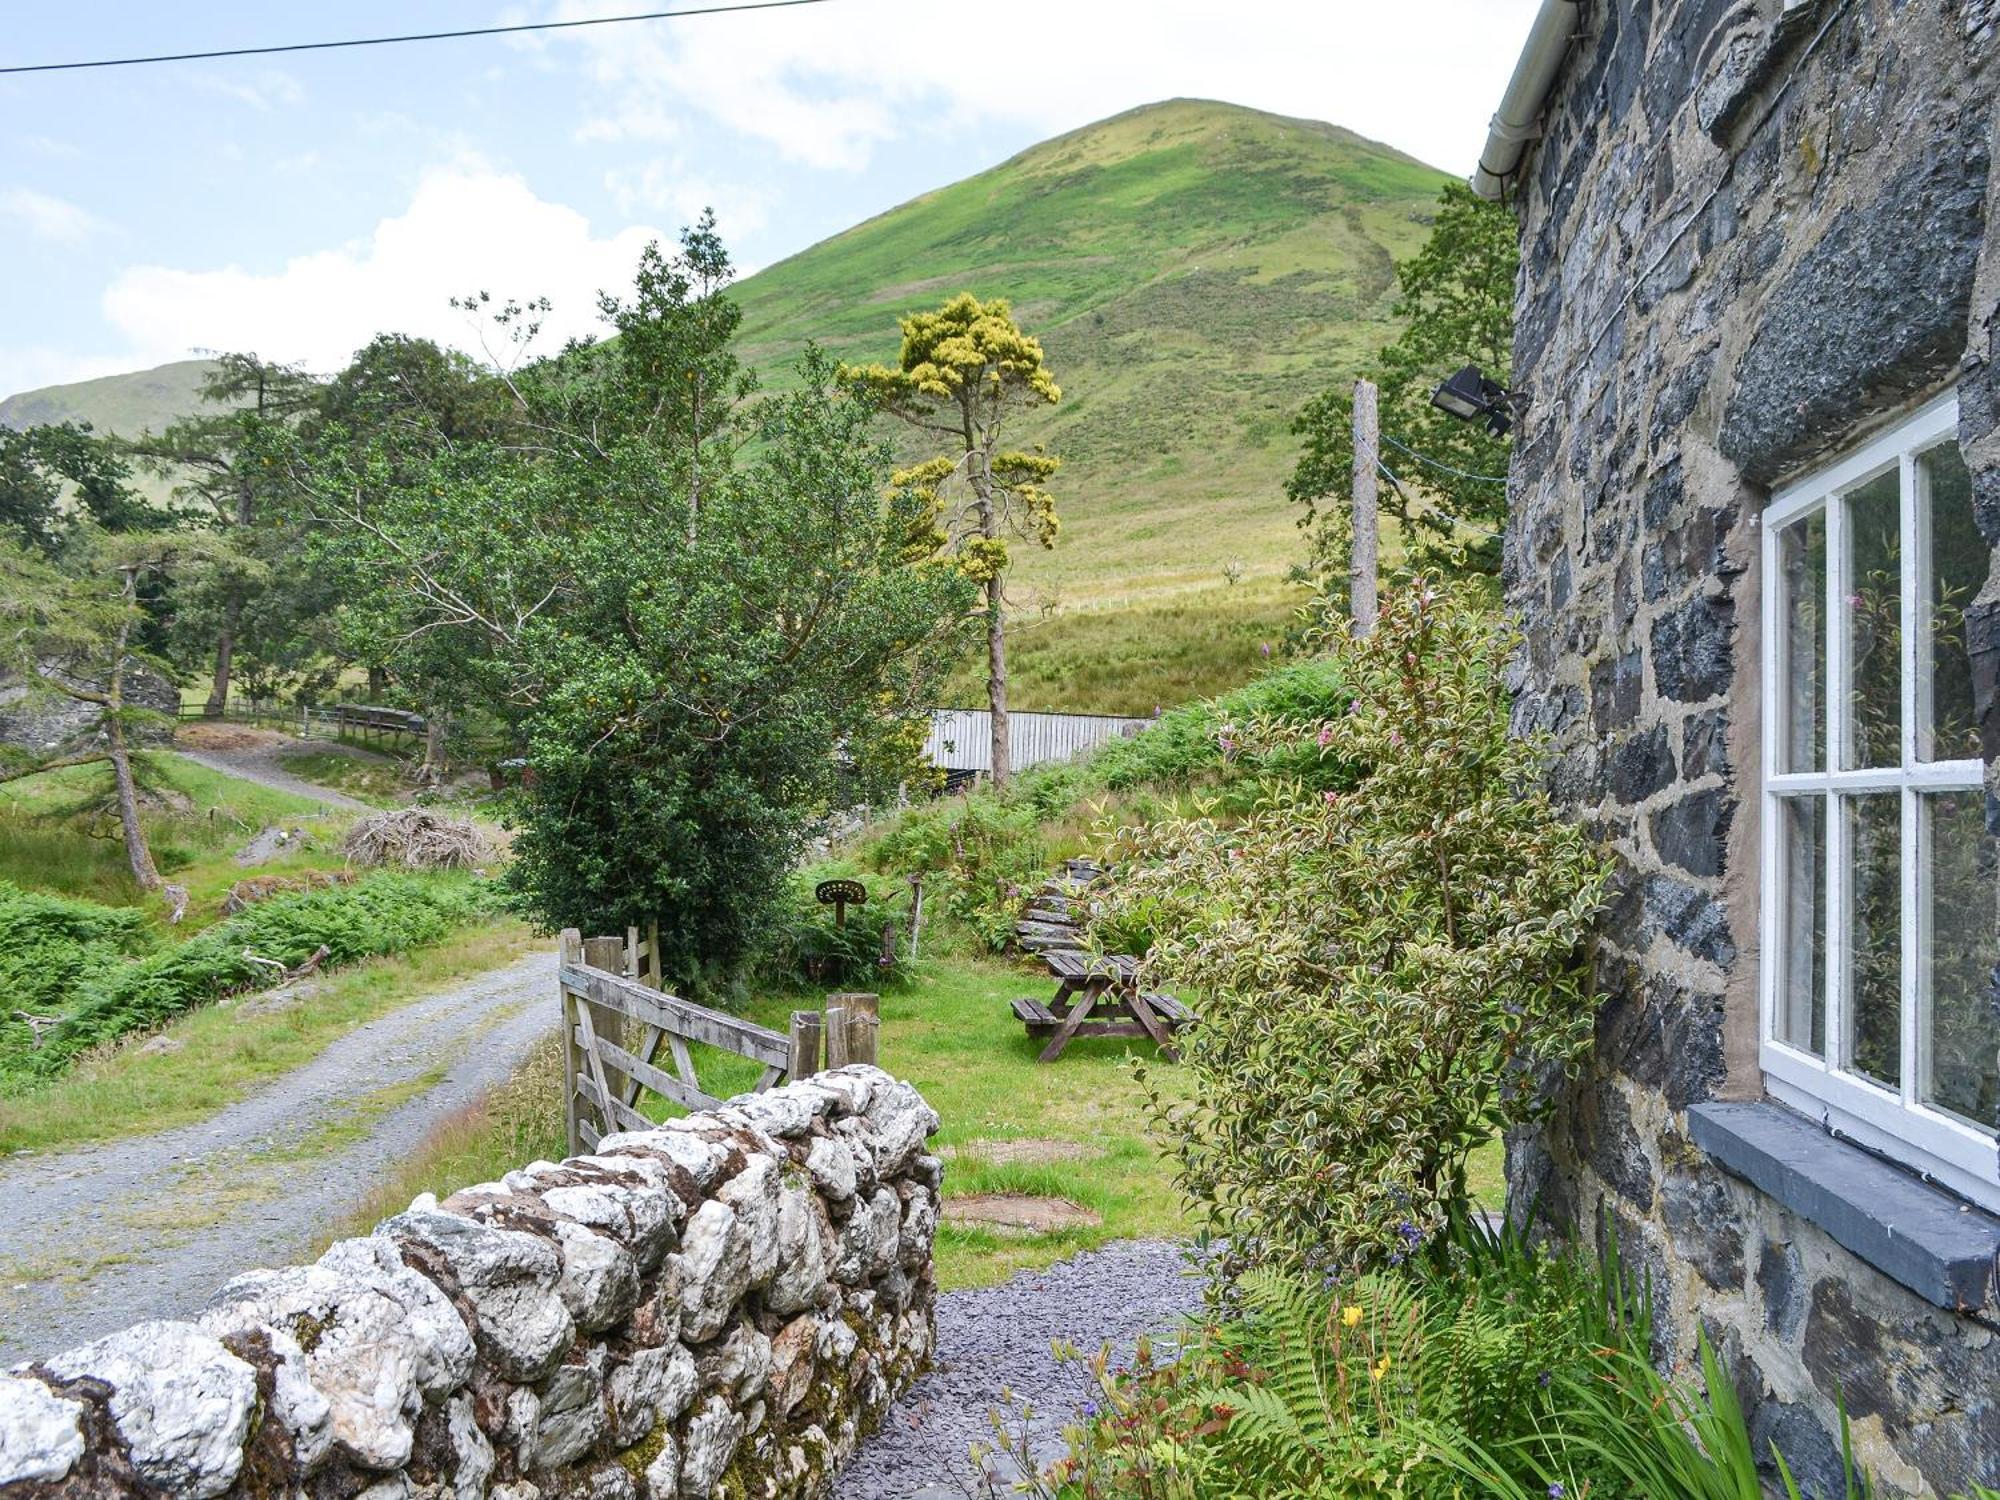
[(616, 1019)]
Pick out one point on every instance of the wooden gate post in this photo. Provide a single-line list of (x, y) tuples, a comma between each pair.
[(807, 1029), (853, 1018), (569, 950)]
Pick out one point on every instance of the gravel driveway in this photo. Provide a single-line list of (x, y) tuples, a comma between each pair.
[(92, 1240), (999, 1337)]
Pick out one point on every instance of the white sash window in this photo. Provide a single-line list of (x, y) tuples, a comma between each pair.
[(1881, 869)]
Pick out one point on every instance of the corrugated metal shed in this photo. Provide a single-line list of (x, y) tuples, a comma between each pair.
[(961, 739)]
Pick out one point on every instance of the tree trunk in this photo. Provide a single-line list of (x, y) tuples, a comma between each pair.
[(378, 683), (225, 652), (996, 682), (136, 851), (433, 770)]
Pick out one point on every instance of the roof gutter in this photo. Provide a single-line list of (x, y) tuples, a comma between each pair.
[(1518, 120)]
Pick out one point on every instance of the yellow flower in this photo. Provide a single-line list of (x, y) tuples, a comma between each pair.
[(1380, 1368), (1350, 1316)]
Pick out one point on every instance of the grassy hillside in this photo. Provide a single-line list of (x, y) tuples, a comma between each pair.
[(1195, 271), (123, 404)]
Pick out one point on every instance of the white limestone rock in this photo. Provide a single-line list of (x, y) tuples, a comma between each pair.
[(600, 1283), (702, 1159), (443, 1342), (714, 1264), (663, 1474), (740, 1367), (180, 1401), (831, 1166), (363, 1357), (919, 1230), (640, 1216), (651, 1387), (510, 1280), (710, 1442), (902, 1122), (471, 1451), (41, 1433), (801, 1235), (853, 1088), (753, 1194)]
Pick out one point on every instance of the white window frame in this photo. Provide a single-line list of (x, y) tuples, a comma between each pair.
[(1894, 1122)]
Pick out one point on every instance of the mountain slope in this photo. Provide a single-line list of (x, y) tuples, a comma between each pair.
[(1195, 271), (123, 404)]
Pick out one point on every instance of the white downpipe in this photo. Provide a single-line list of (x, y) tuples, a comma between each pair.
[(1518, 120)]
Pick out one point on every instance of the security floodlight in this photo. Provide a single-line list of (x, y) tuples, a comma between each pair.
[(1470, 395)]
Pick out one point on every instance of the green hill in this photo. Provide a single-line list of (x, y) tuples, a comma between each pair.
[(126, 405), (1195, 271)]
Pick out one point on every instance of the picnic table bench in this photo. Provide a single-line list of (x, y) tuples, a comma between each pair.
[(1088, 984)]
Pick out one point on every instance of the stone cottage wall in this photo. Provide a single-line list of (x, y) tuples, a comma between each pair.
[(723, 1306), (1752, 232)]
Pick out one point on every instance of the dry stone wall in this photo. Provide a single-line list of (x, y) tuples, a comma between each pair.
[(723, 1306)]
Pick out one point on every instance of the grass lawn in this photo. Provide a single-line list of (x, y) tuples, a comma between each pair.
[(377, 779), (221, 1058), (59, 833), (950, 1033)]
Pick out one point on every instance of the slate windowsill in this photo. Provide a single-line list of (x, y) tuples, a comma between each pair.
[(1915, 1234)]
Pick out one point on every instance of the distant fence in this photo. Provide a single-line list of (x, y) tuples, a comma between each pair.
[(961, 739), (607, 983), (329, 721)]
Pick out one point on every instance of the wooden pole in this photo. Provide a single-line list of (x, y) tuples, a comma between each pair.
[(607, 953), (836, 1034), (569, 950), (807, 1030), (863, 1031), (1362, 564)]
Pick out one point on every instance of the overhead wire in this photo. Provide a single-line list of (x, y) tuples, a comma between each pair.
[(1440, 465), (417, 36)]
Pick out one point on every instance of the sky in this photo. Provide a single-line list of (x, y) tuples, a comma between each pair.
[(296, 205)]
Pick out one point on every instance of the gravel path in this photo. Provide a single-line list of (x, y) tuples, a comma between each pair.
[(92, 1240), (259, 763), (999, 1336)]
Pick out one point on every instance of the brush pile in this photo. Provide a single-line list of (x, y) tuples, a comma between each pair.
[(416, 838)]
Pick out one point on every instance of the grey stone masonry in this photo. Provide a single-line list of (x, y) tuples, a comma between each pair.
[(723, 1306), (1753, 233)]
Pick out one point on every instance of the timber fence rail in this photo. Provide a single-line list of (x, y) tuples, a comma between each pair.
[(616, 1019)]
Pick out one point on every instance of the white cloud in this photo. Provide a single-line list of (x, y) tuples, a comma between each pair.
[(467, 228), (266, 90), (669, 191), (826, 85), (47, 218)]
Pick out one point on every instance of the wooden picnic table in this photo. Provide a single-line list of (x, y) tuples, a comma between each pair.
[(1089, 983)]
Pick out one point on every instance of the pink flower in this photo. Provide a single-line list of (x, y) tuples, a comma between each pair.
[(1854, 601), (1325, 735), (1331, 797), (1264, 647)]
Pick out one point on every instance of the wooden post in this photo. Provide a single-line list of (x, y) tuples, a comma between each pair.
[(836, 1034), (569, 950), (607, 953), (1361, 569), (807, 1028), (853, 1022), (863, 1031)]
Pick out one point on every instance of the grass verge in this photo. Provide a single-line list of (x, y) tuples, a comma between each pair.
[(221, 1055), (375, 779)]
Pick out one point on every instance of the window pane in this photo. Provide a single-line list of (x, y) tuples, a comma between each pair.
[(1801, 1018), (1875, 937), (1958, 570), (1961, 949), (1874, 623), (1802, 569)]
